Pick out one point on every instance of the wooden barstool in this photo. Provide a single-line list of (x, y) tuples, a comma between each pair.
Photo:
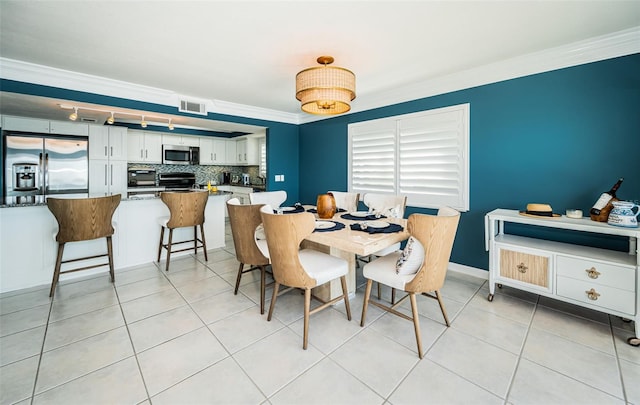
[(81, 219), (186, 209)]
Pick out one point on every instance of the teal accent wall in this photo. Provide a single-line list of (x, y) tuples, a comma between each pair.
[(560, 137), (282, 139)]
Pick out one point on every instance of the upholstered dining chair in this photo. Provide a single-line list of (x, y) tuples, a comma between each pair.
[(303, 269), (420, 269), (389, 206), (81, 219), (273, 198), (346, 201), (244, 219), (186, 209)]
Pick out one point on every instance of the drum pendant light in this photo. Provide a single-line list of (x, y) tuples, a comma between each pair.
[(325, 90)]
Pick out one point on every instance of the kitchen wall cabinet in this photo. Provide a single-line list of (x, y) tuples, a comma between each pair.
[(144, 147), (231, 157), (107, 142), (600, 279), (184, 140), (213, 151), (247, 152), (10, 123)]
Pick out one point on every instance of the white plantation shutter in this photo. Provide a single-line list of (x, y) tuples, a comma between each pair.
[(263, 157), (372, 157), (429, 155)]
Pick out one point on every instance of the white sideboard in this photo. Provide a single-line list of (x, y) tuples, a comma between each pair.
[(601, 279)]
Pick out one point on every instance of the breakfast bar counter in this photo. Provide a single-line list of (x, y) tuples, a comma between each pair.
[(28, 247)]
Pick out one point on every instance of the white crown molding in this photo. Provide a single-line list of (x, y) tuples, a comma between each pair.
[(604, 47), (47, 76), (595, 49)]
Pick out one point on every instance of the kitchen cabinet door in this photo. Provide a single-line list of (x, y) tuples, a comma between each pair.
[(153, 148), (183, 140), (68, 128), (117, 143), (25, 124), (231, 158), (144, 147), (107, 142), (107, 177), (212, 151)]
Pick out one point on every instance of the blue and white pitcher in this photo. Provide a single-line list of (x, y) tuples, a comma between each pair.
[(623, 214)]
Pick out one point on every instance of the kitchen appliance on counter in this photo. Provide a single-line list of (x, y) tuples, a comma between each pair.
[(141, 177), (226, 178), (37, 165), (245, 179), (176, 181), (180, 155)]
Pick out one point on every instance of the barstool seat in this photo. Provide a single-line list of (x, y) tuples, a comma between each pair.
[(185, 210), (82, 219)]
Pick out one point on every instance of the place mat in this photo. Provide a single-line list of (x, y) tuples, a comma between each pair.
[(337, 227), (367, 218), (315, 211), (297, 209), (390, 229)]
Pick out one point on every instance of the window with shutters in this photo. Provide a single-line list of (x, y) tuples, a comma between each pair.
[(424, 156)]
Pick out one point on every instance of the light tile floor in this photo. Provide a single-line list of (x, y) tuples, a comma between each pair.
[(183, 337)]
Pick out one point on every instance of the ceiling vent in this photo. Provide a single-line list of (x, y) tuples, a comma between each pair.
[(193, 107), (87, 119)]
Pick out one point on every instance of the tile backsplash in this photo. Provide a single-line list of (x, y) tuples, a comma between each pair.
[(204, 173)]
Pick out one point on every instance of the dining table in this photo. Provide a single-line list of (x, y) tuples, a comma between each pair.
[(346, 243)]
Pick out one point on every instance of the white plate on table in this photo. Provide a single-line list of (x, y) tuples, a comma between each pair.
[(360, 214), (377, 224), (324, 224), (288, 208)]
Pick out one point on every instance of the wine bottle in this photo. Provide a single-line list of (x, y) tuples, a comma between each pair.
[(605, 198)]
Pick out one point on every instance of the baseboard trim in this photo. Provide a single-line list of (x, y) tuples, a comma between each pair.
[(468, 270)]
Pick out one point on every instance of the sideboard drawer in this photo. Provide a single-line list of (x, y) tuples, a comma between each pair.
[(525, 267), (595, 294), (596, 272)]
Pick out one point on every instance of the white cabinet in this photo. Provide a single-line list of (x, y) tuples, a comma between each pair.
[(213, 151), (144, 147), (600, 279), (107, 160), (247, 152), (231, 158), (10, 123), (184, 140), (68, 128), (107, 177), (107, 142)]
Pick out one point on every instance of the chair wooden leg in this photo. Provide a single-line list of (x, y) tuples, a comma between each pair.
[(367, 293), (204, 243), (416, 322), (345, 293), (160, 244), (307, 308), (169, 248), (110, 254), (263, 280), (56, 270), (235, 291), (444, 311), (276, 287), (195, 240)]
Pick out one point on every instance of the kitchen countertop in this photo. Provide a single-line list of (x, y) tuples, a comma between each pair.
[(11, 202)]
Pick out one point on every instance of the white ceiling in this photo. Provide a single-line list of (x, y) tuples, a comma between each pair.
[(248, 52)]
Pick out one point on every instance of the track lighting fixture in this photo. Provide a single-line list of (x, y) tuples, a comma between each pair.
[(74, 115), (112, 119)]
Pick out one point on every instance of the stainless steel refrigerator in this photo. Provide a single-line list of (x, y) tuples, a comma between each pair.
[(37, 166)]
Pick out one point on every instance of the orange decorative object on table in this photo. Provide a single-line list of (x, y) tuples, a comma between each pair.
[(326, 206)]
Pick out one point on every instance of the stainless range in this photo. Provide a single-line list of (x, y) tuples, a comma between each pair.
[(176, 181)]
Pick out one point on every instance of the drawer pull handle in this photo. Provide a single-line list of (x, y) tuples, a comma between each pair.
[(522, 268), (592, 294), (592, 273)]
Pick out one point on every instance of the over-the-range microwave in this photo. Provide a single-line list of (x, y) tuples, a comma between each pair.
[(180, 155)]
